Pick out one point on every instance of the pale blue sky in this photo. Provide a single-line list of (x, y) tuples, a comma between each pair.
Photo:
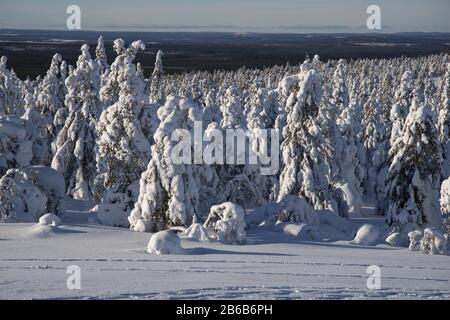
[(228, 15)]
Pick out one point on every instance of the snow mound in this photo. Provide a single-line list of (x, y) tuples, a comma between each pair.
[(196, 232), (294, 216), (226, 223), (40, 231), (367, 235), (50, 219), (165, 242)]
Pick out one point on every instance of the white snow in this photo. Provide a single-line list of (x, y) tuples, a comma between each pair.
[(367, 235), (50, 219), (165, 242), (116, 265)]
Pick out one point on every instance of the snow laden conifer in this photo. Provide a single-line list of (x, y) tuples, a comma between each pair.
[(123, 148), (444, 122), (110, 84), (305, 169), (414, 176), (75, 144), (156, 85), (37, 133), (50, 97), (11, 101), (101, 57), (169, 188)]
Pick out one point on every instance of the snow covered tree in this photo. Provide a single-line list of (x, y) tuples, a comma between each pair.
[(36, 127), (305, 169), (169, 188), (16, 151), (414, 175), (10, 98), (444, 122), (110, 84), (50, 97), (156, 90), (123, 148), (75, 144), (101, 57), (445, 206)]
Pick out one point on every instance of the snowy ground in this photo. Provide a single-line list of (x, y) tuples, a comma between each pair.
[(115, 265)]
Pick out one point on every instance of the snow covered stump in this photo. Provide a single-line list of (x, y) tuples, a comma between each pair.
[(226, 223)]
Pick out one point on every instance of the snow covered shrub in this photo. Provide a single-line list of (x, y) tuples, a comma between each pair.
[(196, 231), (169, 191), (294, 209), (165, 242), (431, 241), (21, 199), (123, 148), (226, 223), (445, 206), (16, 151), (414, 175), (75, 144)]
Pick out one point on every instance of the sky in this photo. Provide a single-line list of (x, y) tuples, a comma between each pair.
[(298, 16)]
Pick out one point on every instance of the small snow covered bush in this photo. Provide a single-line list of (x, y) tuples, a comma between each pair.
[(196, 231), (165, 242), (21, 199), (430, 241), (226, 223), (16, 151), (27, 194), (445, 205)]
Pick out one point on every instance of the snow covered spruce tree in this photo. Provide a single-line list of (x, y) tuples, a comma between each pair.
[(169, 188), (305, 169), (444, 122), (75, 146), (101, 57), (11, 101), (109, 92), (414, 176), (156, 85), (50, 96), (37, 133), (123, 148), (348, 125)]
